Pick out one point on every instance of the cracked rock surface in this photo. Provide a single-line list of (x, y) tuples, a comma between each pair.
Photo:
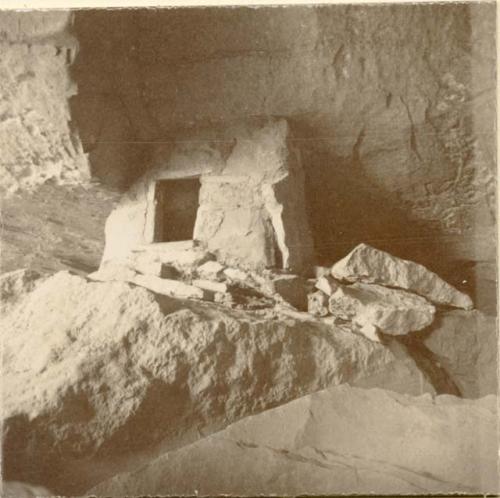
[(341, 440)]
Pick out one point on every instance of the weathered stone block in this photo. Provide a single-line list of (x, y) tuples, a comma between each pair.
[(392, 311), (209, 285), (168, 287), (171, 253), (367, 264), (326, 284)]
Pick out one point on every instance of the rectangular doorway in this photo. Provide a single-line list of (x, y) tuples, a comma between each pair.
[(176, 205)]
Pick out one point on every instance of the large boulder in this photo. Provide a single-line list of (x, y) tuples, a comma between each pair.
[(341, 440), (367, 264), (97, 370)]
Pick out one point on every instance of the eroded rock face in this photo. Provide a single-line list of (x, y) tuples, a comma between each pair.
[(418, 132), (341, 440), (93, 369), (367, 264), (36, 139)]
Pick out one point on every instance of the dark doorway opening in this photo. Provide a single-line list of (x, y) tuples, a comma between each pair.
[(176, 205)]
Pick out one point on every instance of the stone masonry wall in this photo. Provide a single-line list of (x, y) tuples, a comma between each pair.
[(251, 209)]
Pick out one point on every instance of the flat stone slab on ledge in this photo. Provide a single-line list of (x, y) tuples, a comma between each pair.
[(169, 287)]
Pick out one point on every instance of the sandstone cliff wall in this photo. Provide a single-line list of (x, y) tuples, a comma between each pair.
[(37, 140), (50, 217), (393, 108)]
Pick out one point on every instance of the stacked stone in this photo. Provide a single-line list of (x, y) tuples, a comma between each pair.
[(186, 270), (379, 292)]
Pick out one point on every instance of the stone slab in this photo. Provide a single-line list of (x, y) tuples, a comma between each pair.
[(369, 265)]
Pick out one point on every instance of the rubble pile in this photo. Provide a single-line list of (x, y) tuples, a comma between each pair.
[(185, 270), (105, 373), (369, 288), (378, 292)]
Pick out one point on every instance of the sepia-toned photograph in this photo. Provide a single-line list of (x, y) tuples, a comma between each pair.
[(249, 250)]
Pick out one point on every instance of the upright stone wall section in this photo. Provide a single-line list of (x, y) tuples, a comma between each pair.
[(36, 138), (251, 207)]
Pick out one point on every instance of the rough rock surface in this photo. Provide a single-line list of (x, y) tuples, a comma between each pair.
[(367, 264), (336, 441), (36, 138), (15, 284), (465, 344), (392, 311), (94, 369)]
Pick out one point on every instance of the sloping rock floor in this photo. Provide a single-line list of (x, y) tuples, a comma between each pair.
[(340, 440)]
